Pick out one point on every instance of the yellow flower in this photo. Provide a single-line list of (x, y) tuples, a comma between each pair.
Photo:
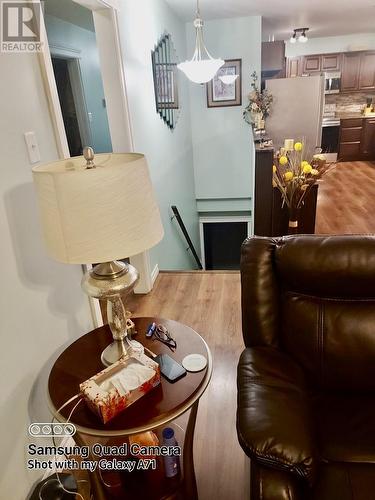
[(283, 160), (274, 169), (314, 171), (288, 176), (303, 163), (298, 146), (307, 169)]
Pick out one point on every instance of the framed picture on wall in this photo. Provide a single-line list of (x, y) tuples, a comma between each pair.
[(225, 87)]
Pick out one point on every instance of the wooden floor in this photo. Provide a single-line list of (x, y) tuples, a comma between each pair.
[(346, 199), (209, 303)]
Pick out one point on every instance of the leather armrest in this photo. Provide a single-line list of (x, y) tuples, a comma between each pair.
[(274, 423), (272, 484)]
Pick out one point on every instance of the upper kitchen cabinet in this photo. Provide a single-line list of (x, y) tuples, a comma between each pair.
[(311, 64), (320, 63), (294, 67), (351, 63), (358, 71), (331, 62), (367, 71)]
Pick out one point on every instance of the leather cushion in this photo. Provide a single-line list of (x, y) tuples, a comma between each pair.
[(331, 339), (328, 266), (273, 413), (343, 481), (346, 427)]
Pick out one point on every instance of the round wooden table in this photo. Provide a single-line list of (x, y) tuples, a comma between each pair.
[(161, 405)]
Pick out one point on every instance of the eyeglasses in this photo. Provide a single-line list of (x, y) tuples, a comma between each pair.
[(163, 335)]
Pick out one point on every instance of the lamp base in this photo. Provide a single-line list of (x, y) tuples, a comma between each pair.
[(112, 281), (114, 352)]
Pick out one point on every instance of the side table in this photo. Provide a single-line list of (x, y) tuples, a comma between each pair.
[(157, 408)]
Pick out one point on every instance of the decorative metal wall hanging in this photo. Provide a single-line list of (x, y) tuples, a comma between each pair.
[(164, 67)]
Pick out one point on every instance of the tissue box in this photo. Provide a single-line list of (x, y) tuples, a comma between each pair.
[(112, 390)]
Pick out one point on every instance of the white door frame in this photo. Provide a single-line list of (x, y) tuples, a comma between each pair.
[(208, 219), (112, 69)]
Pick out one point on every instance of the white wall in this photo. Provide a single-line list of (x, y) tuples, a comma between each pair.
[(169, 153), (222, 141), (325, 45), (41, 303)]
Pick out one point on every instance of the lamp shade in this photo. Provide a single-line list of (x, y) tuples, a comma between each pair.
[(97, 214)]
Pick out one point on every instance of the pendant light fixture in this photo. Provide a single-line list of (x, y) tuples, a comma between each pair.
[(202, 67)]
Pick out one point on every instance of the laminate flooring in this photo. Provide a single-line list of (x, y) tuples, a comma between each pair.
[(346, 199), (209, 302)]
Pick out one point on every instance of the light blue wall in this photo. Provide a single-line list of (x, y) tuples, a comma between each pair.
[(325, 45), (169, 153), (65, 36), (222, 141)]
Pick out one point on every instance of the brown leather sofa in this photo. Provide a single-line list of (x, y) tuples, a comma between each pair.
[(306, 380)]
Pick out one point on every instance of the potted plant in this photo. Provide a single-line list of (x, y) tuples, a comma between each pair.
[(259, 105), (295, 175)]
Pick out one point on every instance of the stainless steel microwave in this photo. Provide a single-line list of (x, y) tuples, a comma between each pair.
[(332, 82)]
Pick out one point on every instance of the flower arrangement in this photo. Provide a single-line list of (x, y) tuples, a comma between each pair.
[(259, 106), (294, 176)]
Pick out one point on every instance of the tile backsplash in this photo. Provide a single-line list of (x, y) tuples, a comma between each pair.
[(349, 103)]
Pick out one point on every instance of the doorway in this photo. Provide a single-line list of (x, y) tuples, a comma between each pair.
[(68, 106)]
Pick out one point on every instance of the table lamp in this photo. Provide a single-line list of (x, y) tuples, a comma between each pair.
[(99, 210)]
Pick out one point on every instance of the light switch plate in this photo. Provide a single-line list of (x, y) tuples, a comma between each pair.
[(32, 147)]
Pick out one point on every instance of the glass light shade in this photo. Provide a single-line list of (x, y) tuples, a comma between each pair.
[(303, 38), (201, 71), (228, 79), (293, 39)]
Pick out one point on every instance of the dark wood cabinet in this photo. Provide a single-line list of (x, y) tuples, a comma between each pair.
[(331, 62), (351, 63), (368, 139), (357, 139), (367, 71), (357, 68), (350, 139), (312, 64), (294, 67)]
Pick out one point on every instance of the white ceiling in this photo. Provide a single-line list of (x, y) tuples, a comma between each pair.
[(323, 17)]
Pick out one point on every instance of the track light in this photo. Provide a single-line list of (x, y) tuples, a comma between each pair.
[(300, 35)]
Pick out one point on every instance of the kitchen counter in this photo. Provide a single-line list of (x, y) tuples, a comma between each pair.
[(346, 116)]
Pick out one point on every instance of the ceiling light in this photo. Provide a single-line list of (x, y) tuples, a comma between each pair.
[(202, 67), (300, 35), (228, 79), (303, 38)]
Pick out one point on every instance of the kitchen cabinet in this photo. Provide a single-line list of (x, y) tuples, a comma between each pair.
[(331, 62), (351, 63), (294, 67), (311, 64), (368, 138), (357, 139), (367, 71)]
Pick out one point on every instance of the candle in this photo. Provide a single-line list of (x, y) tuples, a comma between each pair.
[(289, 144)]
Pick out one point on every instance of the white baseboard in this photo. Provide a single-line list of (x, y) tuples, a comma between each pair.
[(154, 274)]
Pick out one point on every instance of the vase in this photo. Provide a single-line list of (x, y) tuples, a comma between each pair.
[(294, 217)]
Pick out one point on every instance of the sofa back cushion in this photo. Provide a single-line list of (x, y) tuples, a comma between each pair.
[(318, 304)]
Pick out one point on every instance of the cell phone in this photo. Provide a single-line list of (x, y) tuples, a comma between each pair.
[(169, 368)]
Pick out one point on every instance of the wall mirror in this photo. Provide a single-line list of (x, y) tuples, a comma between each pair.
[(164, 66)]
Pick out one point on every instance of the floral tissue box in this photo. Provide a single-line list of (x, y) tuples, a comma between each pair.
[(112, 390)]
